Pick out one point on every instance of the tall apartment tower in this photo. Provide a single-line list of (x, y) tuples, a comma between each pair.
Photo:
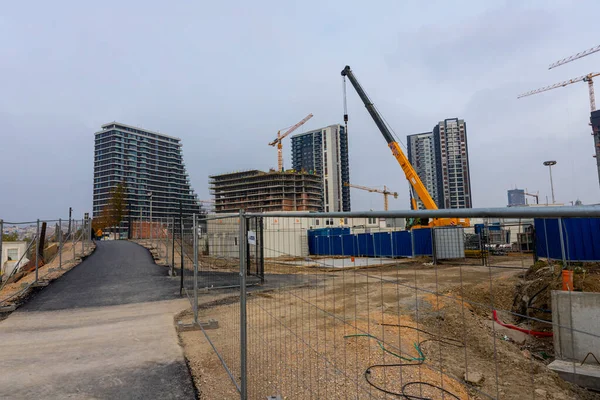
[(150, 164), (325, 152), (453, 155), (422, 156), (441, 159)]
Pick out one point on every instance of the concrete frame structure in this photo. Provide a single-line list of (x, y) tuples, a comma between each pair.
[(324, 151), (258, 191)]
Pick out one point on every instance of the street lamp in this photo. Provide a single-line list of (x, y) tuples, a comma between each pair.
[(549, 164)]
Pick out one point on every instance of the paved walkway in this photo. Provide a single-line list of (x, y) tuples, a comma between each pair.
[(103, 331)]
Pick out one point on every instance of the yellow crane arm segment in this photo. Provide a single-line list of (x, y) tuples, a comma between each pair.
[(412, 177)]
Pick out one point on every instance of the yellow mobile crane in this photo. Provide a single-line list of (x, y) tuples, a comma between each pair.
[(409, 171)]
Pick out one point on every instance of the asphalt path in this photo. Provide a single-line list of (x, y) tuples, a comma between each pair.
[(104, 330)]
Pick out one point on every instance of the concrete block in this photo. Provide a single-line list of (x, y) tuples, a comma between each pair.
[(210, 324), (587, 375), (10, 308), (576, 324)]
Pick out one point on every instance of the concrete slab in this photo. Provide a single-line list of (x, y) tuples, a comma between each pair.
[(576, 324), (587, 375)]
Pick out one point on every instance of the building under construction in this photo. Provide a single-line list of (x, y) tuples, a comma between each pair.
[(258, 191)]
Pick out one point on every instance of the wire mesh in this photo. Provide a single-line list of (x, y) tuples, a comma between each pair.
[(361, 308), (35, 252)]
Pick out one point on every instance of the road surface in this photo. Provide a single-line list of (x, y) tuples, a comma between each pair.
[(102, 331)]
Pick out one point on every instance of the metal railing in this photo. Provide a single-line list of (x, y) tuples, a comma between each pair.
[(351, 305)]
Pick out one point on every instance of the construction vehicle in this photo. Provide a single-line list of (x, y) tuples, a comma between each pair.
[(280, 137), (409, 171), (384, 192)]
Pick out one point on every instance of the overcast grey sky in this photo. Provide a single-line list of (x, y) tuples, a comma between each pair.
[(225, 76)]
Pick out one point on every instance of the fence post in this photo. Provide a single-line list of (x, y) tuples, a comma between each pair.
[(243, 241), (181, 247), (261, 249), (60, 245), (173, 249), (412, 243), (37, 249), (433, 247), (73, 238), (83, 228), (562, 245), (195, 241), (167, 241)]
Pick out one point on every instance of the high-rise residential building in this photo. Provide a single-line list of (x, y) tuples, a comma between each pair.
[(516, 197), (441, 159), (422, 156), (150, 164), (258, 191), (324, 152), (454, 176)]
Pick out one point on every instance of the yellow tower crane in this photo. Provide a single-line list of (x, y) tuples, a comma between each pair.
[(280, 137), (584, 78), (385, 192), (589, 78)]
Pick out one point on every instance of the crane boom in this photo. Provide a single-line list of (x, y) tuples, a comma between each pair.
[(584, 78), (574, 57), (409, 171), (280, 137), (292, 129), (385, 192)]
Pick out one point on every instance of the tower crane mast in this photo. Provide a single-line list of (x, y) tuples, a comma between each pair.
[(589, 78)]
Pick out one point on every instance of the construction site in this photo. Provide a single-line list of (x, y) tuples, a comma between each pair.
[(258, 191)]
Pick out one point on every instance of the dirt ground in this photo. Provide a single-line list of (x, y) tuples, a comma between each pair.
[(14, 293), (376, 332)]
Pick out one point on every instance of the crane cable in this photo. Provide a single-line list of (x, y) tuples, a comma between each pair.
[(345, 105)]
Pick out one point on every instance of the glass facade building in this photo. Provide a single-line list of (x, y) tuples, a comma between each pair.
[(324, 152), (150, 164)]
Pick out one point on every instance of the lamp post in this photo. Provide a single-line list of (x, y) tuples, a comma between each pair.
[(549, 164)]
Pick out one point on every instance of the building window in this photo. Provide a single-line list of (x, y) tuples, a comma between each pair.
[(372, 221), (13, 254)]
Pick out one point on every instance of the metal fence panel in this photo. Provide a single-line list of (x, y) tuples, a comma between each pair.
[(347, 312)]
